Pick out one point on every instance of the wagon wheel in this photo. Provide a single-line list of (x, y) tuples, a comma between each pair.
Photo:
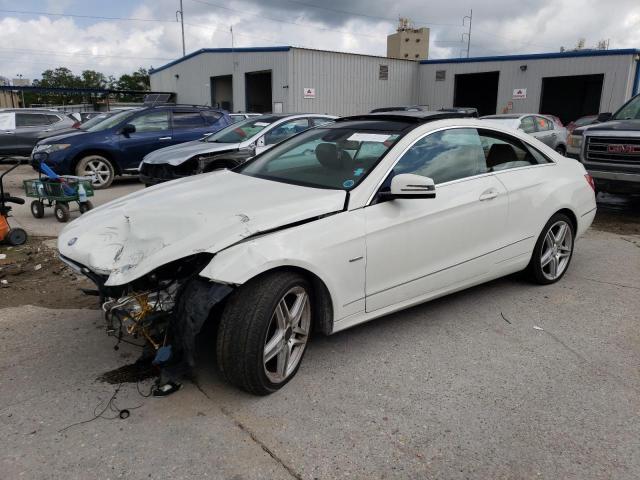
[(61, 211)]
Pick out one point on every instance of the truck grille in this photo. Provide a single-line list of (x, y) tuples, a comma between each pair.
[(613, 149)]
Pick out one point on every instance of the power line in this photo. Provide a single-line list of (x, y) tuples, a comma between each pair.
[(73, 54), (376, 17), (95, 17), (279, 20)]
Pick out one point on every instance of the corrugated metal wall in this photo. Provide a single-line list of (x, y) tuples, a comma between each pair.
[(194, 83), (348, 84), (618, 73)]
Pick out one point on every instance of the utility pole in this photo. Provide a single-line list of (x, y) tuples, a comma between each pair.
[(468, 34), (181, 13)]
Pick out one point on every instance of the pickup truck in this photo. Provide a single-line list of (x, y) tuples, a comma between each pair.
[(610, 149)]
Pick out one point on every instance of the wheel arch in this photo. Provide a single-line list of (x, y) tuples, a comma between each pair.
[(572, 216)]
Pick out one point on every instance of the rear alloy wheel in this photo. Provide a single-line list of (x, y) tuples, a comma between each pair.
[(98, 168), (264, 331), (553, 251)]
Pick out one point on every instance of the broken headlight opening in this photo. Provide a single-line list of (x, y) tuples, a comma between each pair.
[(142, 314)]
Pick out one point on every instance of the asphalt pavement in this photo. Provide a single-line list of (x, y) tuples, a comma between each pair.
[(502, 381)]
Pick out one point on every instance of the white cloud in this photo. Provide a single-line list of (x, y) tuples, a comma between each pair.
[(115, 47)]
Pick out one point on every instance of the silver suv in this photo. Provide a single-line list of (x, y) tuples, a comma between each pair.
[(21, 128), (610, 149), (542, 127)]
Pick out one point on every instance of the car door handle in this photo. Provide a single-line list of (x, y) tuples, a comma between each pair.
[(9, 133), (164, 138), (488, 195)]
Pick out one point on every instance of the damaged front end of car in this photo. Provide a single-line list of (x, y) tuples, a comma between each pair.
[(165, 309)]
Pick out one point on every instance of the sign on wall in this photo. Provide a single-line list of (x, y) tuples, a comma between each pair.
[(309, 92), (519, 93)]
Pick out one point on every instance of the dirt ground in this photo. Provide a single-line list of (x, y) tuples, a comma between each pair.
[(32, 274)]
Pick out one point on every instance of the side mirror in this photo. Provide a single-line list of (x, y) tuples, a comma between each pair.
[(604, 117), (128, 129), (409, 185)]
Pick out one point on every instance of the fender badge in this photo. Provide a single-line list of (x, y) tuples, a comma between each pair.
[(72, 241)]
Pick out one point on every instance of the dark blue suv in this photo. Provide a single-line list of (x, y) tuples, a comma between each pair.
[(117, 144)]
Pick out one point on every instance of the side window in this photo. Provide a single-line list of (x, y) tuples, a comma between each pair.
[(211, 117), (151, 122), (186, 119), (503, 152), (316, 121), (543, 124), (527, 125), (51, 119), (443, 156), (286, 130), (30, 119)]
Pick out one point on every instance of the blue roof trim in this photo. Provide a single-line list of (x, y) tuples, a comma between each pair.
[(221, 50), (536, 56)]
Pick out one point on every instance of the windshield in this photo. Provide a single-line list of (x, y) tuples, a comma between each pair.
[(630, 111), (111, 121), (94, 121), (335, 158), (241, 131)]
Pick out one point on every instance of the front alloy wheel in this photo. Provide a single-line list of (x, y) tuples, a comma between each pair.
[(287, 335), (98, 168), (264, 331)]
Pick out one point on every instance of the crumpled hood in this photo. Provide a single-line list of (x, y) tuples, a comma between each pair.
[(132, 236), (180, 153)]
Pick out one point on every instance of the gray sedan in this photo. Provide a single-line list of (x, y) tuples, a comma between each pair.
[(539, 126), (20, 129)]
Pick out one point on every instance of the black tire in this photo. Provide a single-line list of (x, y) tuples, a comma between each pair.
[(561, 150), (61, 211), (84, 207), (37, 209), (16, 237), (99, 165), (535, 269), (244, 327)]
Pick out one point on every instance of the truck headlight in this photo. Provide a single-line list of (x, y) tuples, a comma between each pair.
[(575, 141)]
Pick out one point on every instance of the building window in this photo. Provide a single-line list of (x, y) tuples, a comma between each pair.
[(417, 55), (406, 55), (417, 40), (406, 39), (383, 73), (441, 75)]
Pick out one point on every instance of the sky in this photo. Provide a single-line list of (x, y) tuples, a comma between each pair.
[(119, 36)]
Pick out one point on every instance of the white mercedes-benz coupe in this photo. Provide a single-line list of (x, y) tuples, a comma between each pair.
[(331, 228)]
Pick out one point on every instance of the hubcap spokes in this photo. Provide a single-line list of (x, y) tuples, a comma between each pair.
[(98, 170), (287, 335), (556, 250)]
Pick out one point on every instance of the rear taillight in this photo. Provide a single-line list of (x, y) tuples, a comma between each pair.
[(76, 125), (590, 181)]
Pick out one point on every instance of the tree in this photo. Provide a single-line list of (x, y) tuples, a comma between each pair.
[(138, 80)]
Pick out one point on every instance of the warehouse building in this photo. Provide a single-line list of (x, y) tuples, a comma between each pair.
[(290, 79)]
